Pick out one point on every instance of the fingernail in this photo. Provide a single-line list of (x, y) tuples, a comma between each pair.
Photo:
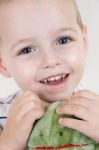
[(60, 121), (58, 110)]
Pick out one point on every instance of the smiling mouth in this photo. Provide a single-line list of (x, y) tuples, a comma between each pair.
[(55, 80)]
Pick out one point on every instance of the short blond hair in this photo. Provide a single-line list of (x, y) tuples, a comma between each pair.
[(79, 18)]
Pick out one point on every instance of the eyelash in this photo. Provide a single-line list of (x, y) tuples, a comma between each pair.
[(61, 41), (64, 40), (26, 50)]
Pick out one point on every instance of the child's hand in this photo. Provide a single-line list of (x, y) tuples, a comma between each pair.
[(84, 105), (22, 115)]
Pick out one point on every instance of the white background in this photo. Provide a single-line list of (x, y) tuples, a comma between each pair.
[(90, 13)]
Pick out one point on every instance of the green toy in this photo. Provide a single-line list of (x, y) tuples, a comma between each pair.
[(47, 134)]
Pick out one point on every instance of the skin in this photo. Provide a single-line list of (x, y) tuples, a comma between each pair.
[(30, 24), (50, 57)]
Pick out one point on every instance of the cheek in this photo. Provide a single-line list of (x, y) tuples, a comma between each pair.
[(77, 64), (23, 74), (75, 57), (75, 60)]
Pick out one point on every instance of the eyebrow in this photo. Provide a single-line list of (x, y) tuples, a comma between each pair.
[(21, 41), (66, 29), (31, 38)]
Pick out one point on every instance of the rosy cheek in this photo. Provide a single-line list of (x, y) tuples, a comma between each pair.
[(73, 58), (76, 62)]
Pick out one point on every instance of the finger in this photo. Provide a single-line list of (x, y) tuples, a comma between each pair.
[(76, 110), (83, 102), (27, 107), (25, 98), (86, 94), (79, 125), (93, 106), (82, 126), (33, 115), (30, 119)]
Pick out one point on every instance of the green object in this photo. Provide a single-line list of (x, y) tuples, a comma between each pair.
[(48, 134)]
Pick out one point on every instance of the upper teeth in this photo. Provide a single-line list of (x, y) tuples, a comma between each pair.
[(58, 77)]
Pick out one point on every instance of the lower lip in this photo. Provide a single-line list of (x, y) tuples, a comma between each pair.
[(59, 85)]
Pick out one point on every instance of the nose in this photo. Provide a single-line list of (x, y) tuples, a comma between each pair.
[(50, 60)]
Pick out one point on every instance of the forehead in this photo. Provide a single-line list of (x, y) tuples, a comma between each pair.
[(38, 2), (38, 8), (18, 16)]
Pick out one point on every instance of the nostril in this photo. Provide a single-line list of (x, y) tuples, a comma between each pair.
[(51, 64)]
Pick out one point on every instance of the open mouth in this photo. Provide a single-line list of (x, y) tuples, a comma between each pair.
[(55, 80), (60, 147)]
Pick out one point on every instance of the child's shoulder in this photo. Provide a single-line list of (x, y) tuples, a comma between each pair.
[(8, 99), (5, 104)]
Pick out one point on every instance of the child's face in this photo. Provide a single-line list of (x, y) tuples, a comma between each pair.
[(42, 46)]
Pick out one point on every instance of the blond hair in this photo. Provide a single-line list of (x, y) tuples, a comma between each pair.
[(79, 18)]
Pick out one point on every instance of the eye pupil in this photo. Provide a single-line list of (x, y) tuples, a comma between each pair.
[(27, 50), (63, 40)]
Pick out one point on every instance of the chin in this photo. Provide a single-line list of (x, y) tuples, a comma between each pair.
[(58, 97)]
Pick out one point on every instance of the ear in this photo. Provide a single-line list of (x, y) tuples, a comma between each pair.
[(3, 69), (85, 39)]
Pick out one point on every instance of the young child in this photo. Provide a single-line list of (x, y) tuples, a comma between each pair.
[(43, 46)]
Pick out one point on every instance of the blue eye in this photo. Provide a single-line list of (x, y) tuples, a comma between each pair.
[(26, 50), (63, 40)]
